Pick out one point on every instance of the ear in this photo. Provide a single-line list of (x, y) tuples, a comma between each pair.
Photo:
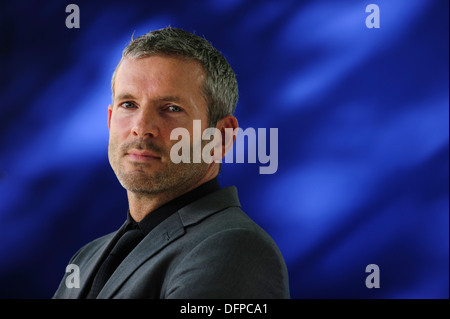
[(109, 116), (228, 128)]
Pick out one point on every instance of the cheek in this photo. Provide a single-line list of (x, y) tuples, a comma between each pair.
[(119, 126), (118, 133), (165, 130)]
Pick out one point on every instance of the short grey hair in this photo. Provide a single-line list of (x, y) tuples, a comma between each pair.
[(220, 87)]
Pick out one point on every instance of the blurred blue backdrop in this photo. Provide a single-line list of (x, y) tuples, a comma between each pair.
[(362, 114)]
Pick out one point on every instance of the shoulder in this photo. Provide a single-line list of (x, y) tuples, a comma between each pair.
[(229, 256), (219, 221), (218, 210), (232, 230)]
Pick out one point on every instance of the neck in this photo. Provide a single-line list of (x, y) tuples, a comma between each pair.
[(142, 204)]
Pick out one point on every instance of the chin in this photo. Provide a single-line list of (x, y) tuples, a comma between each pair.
[(144, 183)]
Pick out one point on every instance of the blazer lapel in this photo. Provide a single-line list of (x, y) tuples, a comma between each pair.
[(90, 268), (166, 233)]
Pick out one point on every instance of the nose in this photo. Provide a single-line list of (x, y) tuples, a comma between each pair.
[(145, 125)]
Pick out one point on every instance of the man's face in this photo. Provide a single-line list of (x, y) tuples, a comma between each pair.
[(153, 96)]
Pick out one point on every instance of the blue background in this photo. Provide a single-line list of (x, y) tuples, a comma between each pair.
[(363, 123)]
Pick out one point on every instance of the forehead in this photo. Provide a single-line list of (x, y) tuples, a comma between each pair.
[(159, 74)]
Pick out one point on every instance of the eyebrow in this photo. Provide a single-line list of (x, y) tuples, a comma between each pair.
[(125, 96), (168, 98)]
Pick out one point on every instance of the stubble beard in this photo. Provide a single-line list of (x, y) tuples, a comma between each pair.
[(142, 180)]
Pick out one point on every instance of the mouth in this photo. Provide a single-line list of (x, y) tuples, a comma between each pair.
[(141, 156)]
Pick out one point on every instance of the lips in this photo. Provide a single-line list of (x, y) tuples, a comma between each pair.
[(142, 155)]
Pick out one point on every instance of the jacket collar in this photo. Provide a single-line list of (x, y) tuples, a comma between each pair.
[(87, 273), (165, 233)]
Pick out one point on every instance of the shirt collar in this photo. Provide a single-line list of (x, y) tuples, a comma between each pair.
[(160, 214)]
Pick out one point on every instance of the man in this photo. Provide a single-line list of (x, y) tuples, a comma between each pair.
[(184, 237)]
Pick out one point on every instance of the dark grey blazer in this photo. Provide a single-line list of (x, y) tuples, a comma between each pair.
[(208, 249)]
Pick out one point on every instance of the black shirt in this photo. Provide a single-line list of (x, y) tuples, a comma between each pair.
[(134, 232), (154, 218)]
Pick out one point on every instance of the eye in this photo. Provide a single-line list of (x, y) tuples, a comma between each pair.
[(174, 108), (128, 105)]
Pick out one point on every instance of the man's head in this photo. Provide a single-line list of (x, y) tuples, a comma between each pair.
[(220, 86), (165, 80)]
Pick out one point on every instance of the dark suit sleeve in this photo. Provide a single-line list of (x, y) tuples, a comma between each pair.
[(234, 264)]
